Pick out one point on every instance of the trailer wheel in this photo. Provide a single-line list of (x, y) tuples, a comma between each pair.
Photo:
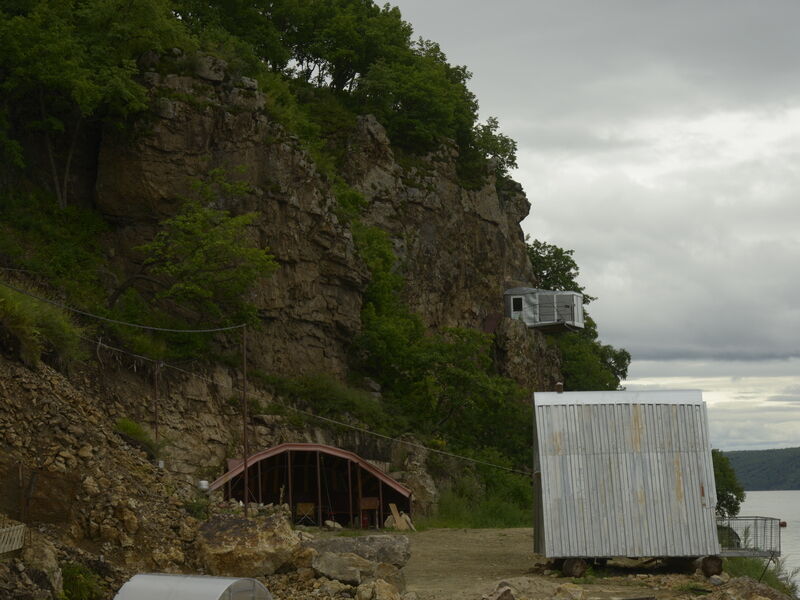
[(574, 567), (711, 565)]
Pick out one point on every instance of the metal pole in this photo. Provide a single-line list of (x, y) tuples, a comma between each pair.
[(155, 399), (319, 493), (245, 441)]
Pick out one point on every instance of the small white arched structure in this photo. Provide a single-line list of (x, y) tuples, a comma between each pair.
[(158, 586)]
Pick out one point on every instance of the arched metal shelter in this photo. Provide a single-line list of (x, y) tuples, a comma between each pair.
[(162, 586), (319, 483)]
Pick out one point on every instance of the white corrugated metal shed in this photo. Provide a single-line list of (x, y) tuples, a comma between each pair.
[(161, 586), (623, 474)]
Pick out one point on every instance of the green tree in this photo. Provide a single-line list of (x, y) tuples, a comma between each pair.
[(730, 493), (202, 261), (496, 146), (443, 383), (421, 99), (587, 364), (68, 61), (555, 268)]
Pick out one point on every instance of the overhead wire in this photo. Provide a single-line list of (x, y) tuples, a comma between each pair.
[(364, 430), (117, 321)]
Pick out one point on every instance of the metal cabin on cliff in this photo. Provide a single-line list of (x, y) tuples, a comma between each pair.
[(548, 310), (623, 474)]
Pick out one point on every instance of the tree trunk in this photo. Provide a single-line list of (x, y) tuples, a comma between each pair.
[(68, 164), (48, 144)]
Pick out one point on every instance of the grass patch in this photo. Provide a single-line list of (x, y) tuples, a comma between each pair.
[(457, 511), (136, 433), (198, 508), (34, 328), (328, 397), (81, 583), (776, 575)]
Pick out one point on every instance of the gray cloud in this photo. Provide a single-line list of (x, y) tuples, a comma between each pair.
[(660, 141)]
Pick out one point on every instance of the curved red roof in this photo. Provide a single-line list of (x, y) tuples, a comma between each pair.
[(303, 447)]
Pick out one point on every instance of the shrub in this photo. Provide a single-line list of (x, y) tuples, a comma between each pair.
[(81, 583), (774, 574), (137, 434)]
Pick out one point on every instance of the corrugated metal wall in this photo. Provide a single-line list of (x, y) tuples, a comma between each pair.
[(624, 474)]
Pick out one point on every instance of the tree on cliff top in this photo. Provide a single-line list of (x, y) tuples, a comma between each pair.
[(587, 364)]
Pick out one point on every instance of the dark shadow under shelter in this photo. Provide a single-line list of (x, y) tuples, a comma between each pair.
[(319, 483)]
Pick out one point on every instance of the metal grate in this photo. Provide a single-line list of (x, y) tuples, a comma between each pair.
[(12, 537), (749, 536)]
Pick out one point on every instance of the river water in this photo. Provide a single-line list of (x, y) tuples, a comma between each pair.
[(785, 505)]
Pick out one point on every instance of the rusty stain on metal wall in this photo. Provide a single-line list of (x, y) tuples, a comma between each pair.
[(624, 474)]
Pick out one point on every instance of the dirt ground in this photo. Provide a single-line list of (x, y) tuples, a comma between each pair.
[(465, 564)]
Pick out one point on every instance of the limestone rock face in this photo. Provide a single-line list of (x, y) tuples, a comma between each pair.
[(460, 249), (237, 547), (392, 549), (310, 308), (524, 356), (41, 561)]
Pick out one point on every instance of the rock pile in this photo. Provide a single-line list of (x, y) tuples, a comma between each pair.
[(76, 476)]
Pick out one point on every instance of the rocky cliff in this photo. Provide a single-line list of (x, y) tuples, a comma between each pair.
[(458, 249)]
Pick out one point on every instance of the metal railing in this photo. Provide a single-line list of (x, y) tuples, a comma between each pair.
[(749, 536)]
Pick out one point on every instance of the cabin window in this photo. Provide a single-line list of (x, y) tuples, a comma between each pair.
[(516, 304)]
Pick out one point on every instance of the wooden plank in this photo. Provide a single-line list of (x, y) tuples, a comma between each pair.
[(399, 523), (409, 523)]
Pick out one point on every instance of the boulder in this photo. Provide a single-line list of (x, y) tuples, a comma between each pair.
[(347, 567), (384, 590), (390, 574), (365, 591), (238, 547), (570, 591), (41, 563), (332, 588), (210, 67), (392, 549), (503, 592)]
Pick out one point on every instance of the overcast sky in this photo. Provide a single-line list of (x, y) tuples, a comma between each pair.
[(660, 141)]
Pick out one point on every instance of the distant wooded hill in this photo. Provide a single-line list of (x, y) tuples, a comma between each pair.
[(767, 469)]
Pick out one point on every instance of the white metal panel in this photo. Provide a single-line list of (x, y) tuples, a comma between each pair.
[(161, 586), (625, 474)]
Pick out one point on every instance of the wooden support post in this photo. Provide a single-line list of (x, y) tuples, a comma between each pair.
[(358, 476), (319, 493), (380, 505), (260, 500), (289, 477), (349, 491)]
